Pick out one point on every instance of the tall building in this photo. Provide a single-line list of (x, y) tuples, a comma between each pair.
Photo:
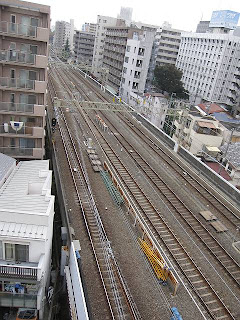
[(102, 23), (164, 50), (26, 231), (63, 31), (136, 61), (126, 14), (210, 66), (168, 44), (203, 27), (24, 34), (89, 27), (83, 46)]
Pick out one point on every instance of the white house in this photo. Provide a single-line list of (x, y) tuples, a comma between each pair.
[(26, 229)]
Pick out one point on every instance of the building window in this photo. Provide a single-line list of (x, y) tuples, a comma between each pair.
[(126, 59), (128, 48), (16, 252)]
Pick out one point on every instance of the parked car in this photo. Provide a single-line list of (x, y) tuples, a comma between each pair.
[(24, 313)]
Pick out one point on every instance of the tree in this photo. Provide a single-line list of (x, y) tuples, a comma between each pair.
[(168, 78), (66, 51), (67, 47)]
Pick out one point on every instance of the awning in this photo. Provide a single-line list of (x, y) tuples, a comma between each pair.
[(205, 124)]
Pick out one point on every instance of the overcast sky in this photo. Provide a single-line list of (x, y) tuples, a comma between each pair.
[(182, 14)]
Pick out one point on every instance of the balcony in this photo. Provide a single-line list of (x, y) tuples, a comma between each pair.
[(18, 128), (9, 299), (18, 153), (22, 58), (22, 84), (25, 31), (8, 107)]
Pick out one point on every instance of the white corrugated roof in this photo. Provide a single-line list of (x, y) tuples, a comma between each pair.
[(15, 195), (6, 163), (21, 230)]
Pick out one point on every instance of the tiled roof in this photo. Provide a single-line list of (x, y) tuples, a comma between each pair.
[(213, 108), (216, 167)]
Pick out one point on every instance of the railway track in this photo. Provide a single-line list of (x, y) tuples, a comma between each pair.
[(232, 216), (209, 298), (118, 298)]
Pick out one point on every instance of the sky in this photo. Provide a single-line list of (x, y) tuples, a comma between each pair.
[(181, 14)]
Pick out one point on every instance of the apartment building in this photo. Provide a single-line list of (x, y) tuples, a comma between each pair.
[(24, 35), (210, 66), (164, 50), (63, 31), (26, 230), (101, 28), (83, 46), (168, 44), (127, 52), (89, 27)]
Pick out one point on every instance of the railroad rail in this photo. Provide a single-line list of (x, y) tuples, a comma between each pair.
[(118, 297), (232, 216), (209, 298)]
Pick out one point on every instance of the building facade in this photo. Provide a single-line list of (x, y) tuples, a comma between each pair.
[(153, 106), (203, 27), (211, 67), (196, 132), (89, 27), (164, 50), (101, 28), (83, 46), (26, 230), (63, 31), (168, 44), (136, 60), (24, 35)]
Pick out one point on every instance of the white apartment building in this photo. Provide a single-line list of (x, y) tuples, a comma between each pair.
[(153, 106), (102, 23), (26, 230), (63, 31), (210, 63), (136, 61)]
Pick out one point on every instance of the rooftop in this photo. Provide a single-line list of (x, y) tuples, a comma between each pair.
[(212, 109), (233, 153), (6, 163), (26, 188)]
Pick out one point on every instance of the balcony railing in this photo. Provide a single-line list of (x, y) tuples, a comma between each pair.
[(18, 29), (9, 299), (17, 83), (17, 152), (20, 128), (18, 272), (16, 107), (17, 56)]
